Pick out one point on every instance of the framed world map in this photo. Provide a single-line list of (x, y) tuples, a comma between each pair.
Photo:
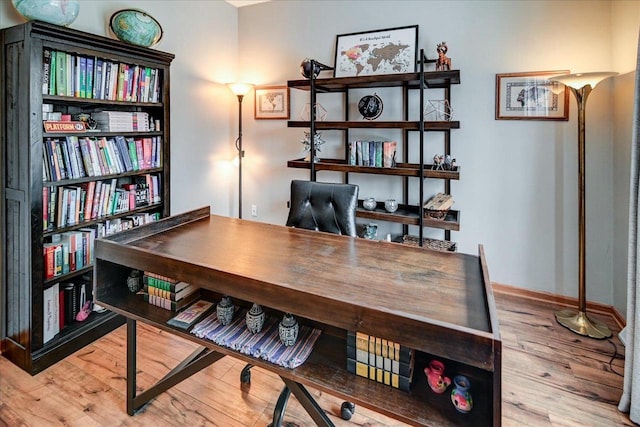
[(272, 102), (389, 51)]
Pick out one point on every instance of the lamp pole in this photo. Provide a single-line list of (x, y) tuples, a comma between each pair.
[(240, 90), (240, 155)]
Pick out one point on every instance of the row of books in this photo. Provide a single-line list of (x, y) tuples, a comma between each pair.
[(75, 157), (373, 153), (69, 252), (122, 121), (70, 205), (61, 304), (168, 293), (380, 360), (81, 76)]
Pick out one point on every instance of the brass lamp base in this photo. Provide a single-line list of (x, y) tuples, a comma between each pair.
[(578, 322)]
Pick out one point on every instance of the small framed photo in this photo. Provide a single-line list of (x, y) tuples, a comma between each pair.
[(390, 51), (531, 96), (272, 102)]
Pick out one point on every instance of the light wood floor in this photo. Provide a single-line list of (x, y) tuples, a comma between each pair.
[(551, 377)]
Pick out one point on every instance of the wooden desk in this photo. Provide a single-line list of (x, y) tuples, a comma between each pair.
[(439, 303)]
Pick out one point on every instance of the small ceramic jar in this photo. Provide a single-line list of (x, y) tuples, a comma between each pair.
[(288, 330), (369, 203), (391, 205), (460, 396), (133, 281), (255, 319), (225, 310)]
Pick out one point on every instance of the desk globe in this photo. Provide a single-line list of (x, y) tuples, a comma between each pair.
[(135, 27), (59, 12)]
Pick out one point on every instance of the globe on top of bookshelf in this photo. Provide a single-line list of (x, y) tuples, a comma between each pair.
[(135, 27), (59, 12)]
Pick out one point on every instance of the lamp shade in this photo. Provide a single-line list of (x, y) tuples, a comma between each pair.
[(579, 80), (240, 89)]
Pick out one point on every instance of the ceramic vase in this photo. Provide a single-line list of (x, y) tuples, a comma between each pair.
[(369, 203), (435, 376), (460, 396), (288, 330), (225, 310), (255, 319), (391, 205)]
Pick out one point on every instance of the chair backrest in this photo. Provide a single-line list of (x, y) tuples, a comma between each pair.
[(323, 207)]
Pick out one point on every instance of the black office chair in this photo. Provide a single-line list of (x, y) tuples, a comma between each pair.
[(325, 207)]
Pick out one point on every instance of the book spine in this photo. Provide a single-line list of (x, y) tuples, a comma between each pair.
[(46, 71)]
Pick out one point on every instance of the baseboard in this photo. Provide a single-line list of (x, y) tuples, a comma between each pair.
[(548, 297)]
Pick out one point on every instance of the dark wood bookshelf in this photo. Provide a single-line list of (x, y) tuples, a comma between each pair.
[(22, 141), (401, 169)]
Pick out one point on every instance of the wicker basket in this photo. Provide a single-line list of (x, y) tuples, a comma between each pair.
[(441, 215), (440, 245)]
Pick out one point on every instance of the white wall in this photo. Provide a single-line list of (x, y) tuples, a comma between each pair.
[(518, 190), (203, 37)]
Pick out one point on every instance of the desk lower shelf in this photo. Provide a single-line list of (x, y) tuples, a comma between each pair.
[(325, 370)]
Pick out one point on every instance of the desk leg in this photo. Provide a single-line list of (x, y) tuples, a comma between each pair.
[(195, 362), (281, 407), (308, 403)]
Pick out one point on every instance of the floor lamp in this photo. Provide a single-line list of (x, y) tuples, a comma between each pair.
[(581, 85), (240, 90)]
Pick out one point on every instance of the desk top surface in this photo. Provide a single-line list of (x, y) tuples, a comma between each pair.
[(407, 281)]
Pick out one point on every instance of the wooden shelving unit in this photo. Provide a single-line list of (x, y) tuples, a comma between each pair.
[(23, 180), (408, 215)]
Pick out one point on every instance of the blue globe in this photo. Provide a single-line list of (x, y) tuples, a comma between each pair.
[(135, 27), (59, 12)]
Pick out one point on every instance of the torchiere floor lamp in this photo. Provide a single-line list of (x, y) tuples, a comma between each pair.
[(240, 90), (581, 84)]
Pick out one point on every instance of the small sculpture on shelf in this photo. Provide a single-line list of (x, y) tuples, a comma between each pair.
[(370, 106), (288, 330), (317, 142), (305, 113), (438, 110), (369, 204), (255, 319), (443, 63), (391, 205), (225, 310), (442, 162), (370, 231), (306, 68)]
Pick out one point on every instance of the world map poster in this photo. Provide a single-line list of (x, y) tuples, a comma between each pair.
[(390, 51)]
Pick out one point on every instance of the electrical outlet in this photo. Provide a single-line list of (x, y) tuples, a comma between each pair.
[(254, 210)]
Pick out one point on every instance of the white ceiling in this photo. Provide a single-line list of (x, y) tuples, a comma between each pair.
[(241, 3)]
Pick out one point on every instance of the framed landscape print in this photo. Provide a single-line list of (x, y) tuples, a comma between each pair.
[(389, 51), (531, 96), (272, 102)]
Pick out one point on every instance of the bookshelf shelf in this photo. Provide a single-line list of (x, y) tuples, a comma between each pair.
[(28, 183)]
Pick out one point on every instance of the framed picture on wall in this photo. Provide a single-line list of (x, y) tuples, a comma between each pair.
[(272, 102), (531, 96), (389, 51)]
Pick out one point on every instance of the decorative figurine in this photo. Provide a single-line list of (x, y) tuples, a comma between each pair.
[(391, 205), (460, 396), (288, 330), (133, 281), (438, 161), (443, 63), (255, 318), (305, 68), (370, 231), (370, 106), (438, 110), (225, 310), (318, 141), (435, 376), (369, 204), (305, 113)]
